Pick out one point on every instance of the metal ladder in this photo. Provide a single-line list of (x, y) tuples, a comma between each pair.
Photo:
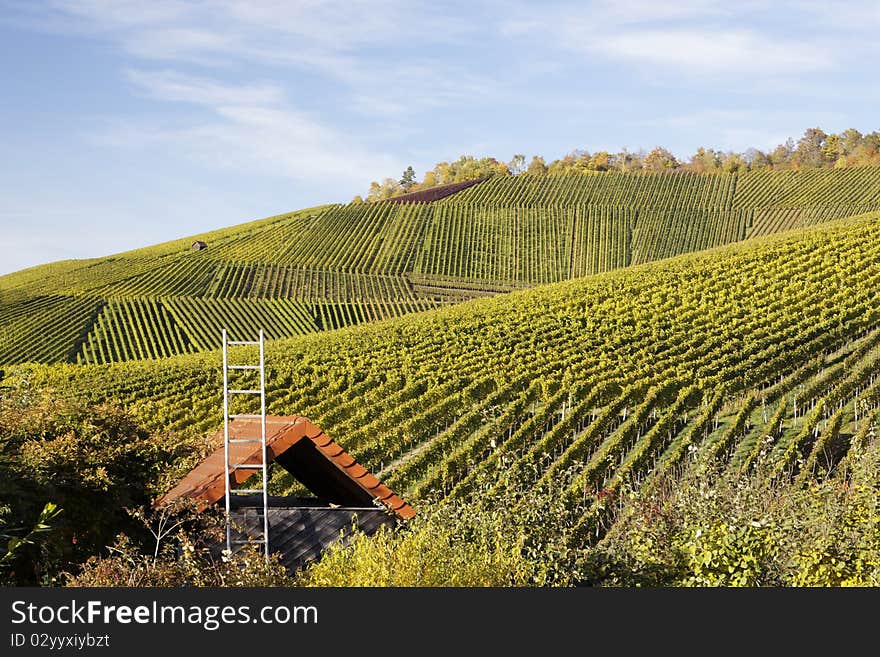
[(227, 441)]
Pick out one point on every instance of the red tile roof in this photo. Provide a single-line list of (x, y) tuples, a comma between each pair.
[(320, 461)]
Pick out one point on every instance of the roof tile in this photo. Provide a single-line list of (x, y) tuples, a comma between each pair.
[(205, 481)]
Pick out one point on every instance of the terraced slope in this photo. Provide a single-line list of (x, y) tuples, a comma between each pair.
[(338, 265), (764, 350)]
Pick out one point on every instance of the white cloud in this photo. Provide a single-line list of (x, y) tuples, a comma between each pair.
[(263, 27), (251, 128), (713, 52), (175, 86), (697, 37), (368, 48)]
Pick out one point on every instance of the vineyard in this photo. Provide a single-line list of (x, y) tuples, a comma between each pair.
[(334, 266), (765, 351)]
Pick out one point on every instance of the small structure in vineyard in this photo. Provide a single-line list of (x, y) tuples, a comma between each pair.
[(199, 245), (300, 528), (297, 528)]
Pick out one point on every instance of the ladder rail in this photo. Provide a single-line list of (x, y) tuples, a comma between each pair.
[(226, 440), (263, 437), (263, 466)]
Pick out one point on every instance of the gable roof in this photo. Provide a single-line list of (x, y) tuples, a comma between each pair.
[(299, 447)]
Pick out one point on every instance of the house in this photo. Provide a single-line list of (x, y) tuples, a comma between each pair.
[(199, 245), (300, 528)]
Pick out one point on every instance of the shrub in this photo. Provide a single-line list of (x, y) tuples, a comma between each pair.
[(91, 461), (511, 536), (187, 552)]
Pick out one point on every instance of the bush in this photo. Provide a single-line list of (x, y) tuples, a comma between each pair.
[(702, 529), (508, 537), (187, 552), (90, 461)]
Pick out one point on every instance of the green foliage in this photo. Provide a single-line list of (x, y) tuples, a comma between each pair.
[(749, 531), (15, 542), (512, 536), (186, 553), (91, 461), (408, 179), (337, 266), (618, 378)]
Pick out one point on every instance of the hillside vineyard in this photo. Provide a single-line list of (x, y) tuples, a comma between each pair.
[(340, 265), (763, 351)]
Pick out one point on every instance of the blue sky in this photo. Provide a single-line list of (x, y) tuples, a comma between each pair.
[(124, 124)]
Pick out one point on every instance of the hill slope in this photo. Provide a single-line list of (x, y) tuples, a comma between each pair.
[(333, 266), (764, 350)]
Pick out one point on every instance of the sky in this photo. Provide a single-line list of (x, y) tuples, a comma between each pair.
[(124, 124)]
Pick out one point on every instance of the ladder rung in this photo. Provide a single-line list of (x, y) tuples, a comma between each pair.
[(242, 541), (247, 466), (245, 392), (242, 342), (245, 416), (245, 491), (245, 440), (243, 367)]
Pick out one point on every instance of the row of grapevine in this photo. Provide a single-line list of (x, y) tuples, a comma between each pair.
[(601, 240), (203, 320), (857, 186), (643, 190), (776, 220), (349, 264), (663, 234), (683, 190), (89, 330), (526, 246), (133, 329), (759, 351), (45, 329)]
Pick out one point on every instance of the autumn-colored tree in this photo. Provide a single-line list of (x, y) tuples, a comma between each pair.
[(430, 180), (537, 167), (660, 159), (705, 160), (780, 157), (601, 161), (733, 163), (809, 151), (815, 149), (387, 189), (756, 159)]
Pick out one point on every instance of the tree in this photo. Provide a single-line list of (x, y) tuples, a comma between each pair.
[(408, 179), (375, 191), (430, 180), (808, 153), (832, 149), (537, 167), (387, 189), (660, 159), (517, 164), (756, 159), (851, 140), (780, 157), (733, 163), (600, 161), (631, 161), (705, 160), (445, 173)]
